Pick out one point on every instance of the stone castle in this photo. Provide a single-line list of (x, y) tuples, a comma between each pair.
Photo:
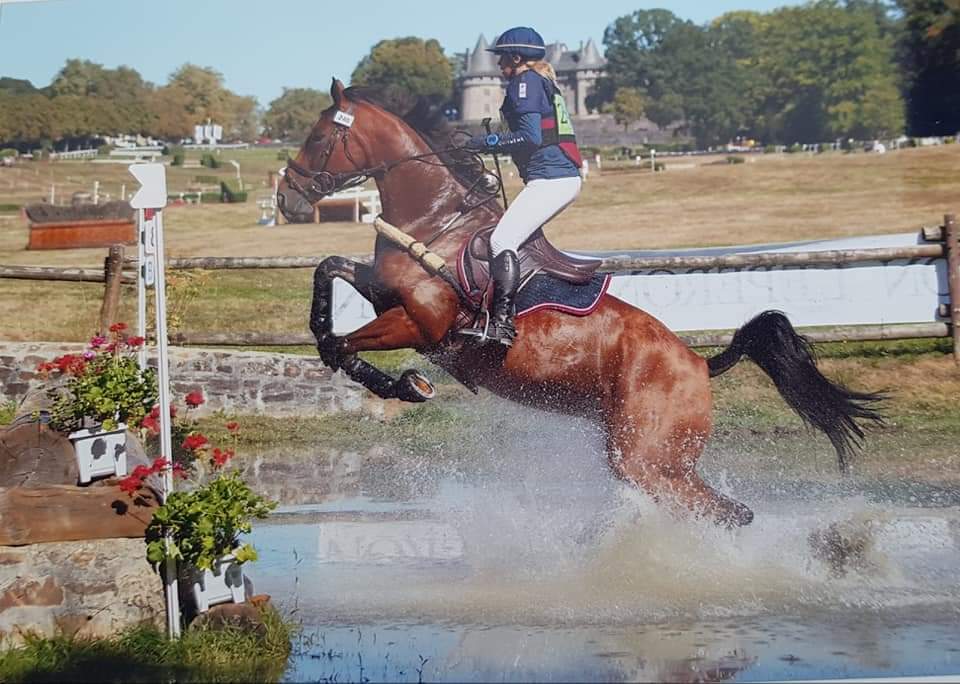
[(483, 88)]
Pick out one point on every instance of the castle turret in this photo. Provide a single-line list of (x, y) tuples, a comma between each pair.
[(482, 84)]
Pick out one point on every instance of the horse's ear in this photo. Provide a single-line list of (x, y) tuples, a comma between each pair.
[(336, 92)]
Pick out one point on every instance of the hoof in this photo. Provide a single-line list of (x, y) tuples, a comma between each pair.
[(414, 387)]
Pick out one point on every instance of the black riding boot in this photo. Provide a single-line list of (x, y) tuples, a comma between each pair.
[(505, 271)]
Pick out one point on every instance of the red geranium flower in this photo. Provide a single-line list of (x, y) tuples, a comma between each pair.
[(233, 426), (141, 471), (178, 471), (195, 441), (130, 484), (194, 399), (150, 424), (118, 327), (159, 464), (221, 456), (135, 341)]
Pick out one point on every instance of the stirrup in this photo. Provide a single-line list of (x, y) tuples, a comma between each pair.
[(490, 333)]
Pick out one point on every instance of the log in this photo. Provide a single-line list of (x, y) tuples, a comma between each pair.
[(217, 263), (112, 269), (69, 513), (72, 275), (32, 455), (951, 243), (242, 339), (767, 259), (851, 333)]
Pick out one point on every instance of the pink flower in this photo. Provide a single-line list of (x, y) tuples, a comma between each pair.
[(97, 341), (89, 355)]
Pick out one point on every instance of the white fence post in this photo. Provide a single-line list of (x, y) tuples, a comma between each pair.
[(150, 200)]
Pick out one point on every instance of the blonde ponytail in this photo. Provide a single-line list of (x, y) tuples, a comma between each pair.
[(545, 69)]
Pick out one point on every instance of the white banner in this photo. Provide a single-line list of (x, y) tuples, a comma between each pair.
[(870, 293)]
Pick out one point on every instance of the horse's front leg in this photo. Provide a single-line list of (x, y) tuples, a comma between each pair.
[(360, 276), (393, 329)]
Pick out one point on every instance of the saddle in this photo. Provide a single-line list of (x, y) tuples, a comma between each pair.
[(537, 255)]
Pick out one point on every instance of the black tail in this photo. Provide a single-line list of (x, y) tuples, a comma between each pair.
[(788, 358)]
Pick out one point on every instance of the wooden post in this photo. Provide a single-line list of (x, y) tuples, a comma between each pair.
[(951, 236), (113, 274), (316, 213)]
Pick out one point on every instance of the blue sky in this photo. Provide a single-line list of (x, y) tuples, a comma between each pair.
[(260, 47)]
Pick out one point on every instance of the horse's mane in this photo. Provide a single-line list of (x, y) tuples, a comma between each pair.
[(425, 116)]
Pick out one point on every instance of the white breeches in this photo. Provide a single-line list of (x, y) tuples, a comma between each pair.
[(538, 202)]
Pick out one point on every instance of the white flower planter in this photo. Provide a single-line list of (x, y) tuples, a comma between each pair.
[(100, 453), (223, 584)]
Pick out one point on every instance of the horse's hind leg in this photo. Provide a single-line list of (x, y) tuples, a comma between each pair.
[(656, 432)]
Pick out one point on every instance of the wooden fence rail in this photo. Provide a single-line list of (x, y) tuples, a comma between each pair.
[(852, 333)]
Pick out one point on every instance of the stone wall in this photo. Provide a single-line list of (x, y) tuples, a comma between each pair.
[(235, 382), (86, 588)]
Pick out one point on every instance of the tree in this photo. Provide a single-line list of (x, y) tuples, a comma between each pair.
[(822, 60), (416, 65), (930, 49), (293, 114), (629, 106)]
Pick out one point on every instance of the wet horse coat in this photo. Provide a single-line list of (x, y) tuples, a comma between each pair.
[(648, 390)]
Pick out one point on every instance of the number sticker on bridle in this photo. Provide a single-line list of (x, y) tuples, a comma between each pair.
[(343, 119)]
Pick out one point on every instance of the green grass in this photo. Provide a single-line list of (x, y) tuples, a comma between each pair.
[(425, 427), (8, 411), (145, 654)]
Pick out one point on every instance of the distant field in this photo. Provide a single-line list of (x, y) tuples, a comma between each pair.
[(697, 201)]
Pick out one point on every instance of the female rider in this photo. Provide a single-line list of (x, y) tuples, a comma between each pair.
[(544, 150)]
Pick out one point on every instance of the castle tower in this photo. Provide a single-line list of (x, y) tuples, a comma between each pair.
[(483, 87), (482, 84)]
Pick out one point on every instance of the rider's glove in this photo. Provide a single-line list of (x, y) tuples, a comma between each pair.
[(495, 141)]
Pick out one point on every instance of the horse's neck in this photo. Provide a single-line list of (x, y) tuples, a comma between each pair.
[(421, 197)]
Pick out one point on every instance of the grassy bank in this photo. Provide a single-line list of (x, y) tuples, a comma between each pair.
[(147, 655)]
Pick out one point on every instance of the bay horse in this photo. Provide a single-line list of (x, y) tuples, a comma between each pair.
[(649, 392)]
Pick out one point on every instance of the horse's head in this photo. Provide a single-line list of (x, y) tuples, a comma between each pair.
[(334, 156)]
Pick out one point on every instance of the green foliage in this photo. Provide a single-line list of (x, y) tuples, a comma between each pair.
[(205, 524), (628, 106), (104, 385), (9, 206), (8, 411), (813, 72), (283, 155), (293, 114), (210, 160), (733, 159), (145, 654), (930, 49), (179, 156), (206, 179), (7, 152), (416, 65), (230, 192)]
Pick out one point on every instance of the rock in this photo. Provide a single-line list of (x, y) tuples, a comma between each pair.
[(81, 588), (245, 616)]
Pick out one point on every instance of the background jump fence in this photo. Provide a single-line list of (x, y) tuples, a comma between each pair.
[(943, 243)]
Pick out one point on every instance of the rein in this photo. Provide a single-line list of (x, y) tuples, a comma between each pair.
[(322, 183)]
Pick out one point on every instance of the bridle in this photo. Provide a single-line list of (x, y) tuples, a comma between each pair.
[(321, 183)]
